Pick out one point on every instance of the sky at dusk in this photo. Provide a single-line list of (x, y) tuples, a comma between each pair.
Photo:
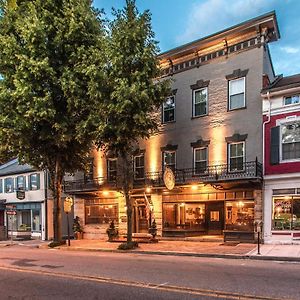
[(176, 22)]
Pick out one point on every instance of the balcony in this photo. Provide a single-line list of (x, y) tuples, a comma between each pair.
[(250, 171)]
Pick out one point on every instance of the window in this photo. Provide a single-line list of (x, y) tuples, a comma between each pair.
[(8, 185), (139, 167), (34, 182), (169, 110), (290, 141), (291, 100), (237, 93), (200, 160), (240, 215), (112, 169), (21, 183), (286, 213), (236, 156), (200, 102), (101, 214), (169, 160), (89, 173)]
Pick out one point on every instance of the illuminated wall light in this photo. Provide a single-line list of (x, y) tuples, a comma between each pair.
[(148, 190), (105, 193), (218, 152), (194, 187)]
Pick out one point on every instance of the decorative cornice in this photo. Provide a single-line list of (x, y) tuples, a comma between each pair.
[(236, 138), (169, 147), (200, 143), (237, 74), (200, 84)]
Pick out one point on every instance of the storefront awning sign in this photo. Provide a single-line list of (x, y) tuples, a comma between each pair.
[(68, 203), (169, 178)]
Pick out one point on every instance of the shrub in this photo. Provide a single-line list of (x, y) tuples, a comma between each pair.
[(56, 244), (128, 246)]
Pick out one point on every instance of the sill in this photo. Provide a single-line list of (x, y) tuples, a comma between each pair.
[(239, 108), (289, 161), (197, 117)]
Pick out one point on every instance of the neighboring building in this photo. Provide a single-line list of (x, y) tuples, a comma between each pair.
[(33, 217), (281, 109), (211, 137)]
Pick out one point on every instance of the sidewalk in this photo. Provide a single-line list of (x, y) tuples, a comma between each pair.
[(197, 249)]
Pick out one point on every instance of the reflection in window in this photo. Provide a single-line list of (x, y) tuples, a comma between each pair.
[(8, 185), (236, 156), (101, 214), (290, 134), (286, 213), (21, 182), (237, 93), (139, 167), (112, 169), (200, 102), (200, 160), (169, 159), (240, 215), (183, 216), (291, 100), (169, 110)]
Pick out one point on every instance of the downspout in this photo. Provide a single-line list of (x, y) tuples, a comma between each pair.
[(264, 129), (46, 203)]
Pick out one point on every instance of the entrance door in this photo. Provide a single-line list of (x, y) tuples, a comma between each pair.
[(1, 217), (141, 216), (215, 217)]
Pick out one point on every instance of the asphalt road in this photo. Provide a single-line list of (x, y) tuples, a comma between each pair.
[(27, 273)]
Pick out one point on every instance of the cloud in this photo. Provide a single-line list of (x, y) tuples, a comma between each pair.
[(289, 49), (210, 16)]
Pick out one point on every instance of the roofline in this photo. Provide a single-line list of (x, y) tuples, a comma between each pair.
[(182, 47), (10, 162)]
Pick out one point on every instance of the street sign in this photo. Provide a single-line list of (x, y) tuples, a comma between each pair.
[(11, 212), (68, 203), (20, 194)]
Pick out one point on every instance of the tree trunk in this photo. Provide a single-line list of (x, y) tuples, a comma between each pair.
[(57, 202), (126, 179)]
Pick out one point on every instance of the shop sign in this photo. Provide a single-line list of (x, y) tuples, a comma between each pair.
[(11, 212), (68, 203), (169, 178), (10, 206), (20, 194)]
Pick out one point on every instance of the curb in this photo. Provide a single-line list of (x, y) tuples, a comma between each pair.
[(188, 254)]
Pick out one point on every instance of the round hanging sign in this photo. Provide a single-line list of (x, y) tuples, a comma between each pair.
[(169, 178)]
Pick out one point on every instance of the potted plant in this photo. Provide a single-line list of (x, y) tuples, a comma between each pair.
[(112, 231), (153, 229), (77, 229)]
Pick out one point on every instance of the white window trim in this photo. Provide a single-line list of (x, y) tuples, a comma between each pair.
[(244, 156), (169, 151), (163, 110), (292, 104), (194, 98), (194, 152), (229, 94), (134, 166), (284, 122)]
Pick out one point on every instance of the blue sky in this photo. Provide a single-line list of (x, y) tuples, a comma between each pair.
[(176, 22)]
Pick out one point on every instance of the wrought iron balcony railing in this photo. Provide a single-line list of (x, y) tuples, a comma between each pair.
[(212, 174)]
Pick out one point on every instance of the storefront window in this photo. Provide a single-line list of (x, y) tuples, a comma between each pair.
[(188, 216), (286, 213), (240, 215), (101, 214)]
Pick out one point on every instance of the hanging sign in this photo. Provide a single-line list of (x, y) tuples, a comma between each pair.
[(169, 178), (68, 203), (20, 194)]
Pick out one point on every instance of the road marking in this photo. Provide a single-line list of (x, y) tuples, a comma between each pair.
[(163, 287)]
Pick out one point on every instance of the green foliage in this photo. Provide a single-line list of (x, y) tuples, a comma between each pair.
[(133, 92), (49, 49), (128, 246)]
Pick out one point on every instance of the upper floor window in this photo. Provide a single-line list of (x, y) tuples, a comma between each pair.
[(139, 166), (21, 183), (200, 102), (8, 185), (290, 141), (169, 159), (89, 173), (236, 156), (34, 182), (295, 99), (200, 160), (237, 93), (112, 169), (169, 110)]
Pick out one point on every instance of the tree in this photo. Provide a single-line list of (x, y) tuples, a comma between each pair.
[(133, 92), (51, 50)]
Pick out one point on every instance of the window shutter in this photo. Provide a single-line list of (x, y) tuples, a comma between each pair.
[(275, 144), (38, 181)]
